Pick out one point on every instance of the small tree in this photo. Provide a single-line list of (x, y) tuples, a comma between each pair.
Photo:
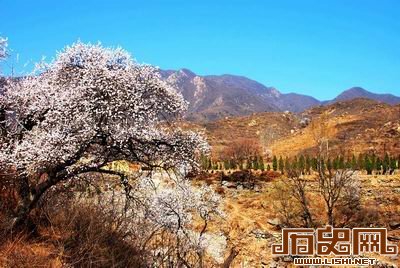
[(360, 162), (392, 165), (398, 161), (299, 188), (227, 165), (287, 164), (210, 165), (386, 163), (308, 165), (341, 162), (353, 162), (373, 161), (281, 165), (331, 186), (274, 163), (295, 163), (329, 165), (256, 165), (314, 164), (368, 165), (335, 163), (261, 163)]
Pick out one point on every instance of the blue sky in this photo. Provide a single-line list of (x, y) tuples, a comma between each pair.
[(312, 47)]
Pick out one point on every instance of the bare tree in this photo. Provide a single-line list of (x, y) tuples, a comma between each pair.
[(332, 186), (285, 205), (320, 133), (349, 204), (241, 149), (299, 189)]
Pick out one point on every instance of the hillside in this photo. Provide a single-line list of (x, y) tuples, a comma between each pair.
[(212, 97), (358, 92), (355, 126)]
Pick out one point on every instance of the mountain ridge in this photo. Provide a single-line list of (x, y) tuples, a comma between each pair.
[(212, 97)]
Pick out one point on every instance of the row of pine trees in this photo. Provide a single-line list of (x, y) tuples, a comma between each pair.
[(370, 163)]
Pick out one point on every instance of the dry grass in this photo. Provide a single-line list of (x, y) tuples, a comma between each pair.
[(76, 236), (247, 211)]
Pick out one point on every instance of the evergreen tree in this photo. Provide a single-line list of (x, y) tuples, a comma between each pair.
[(378, 165), (281, 164), (204, 161), (368, 164), (329, 165), (398, 161), (308, 165), (287, 164), (274, 163), (295, 163), (261, 163), (360, 162), (314, 164), (348, 163), (341, 164), (392, 165), (249, 163), (335, 163), (214, 166), (227, 165), (232, 164), (386, 163), (353, 162), (268, 167), (209, 163), (255, 163), (373, 161)]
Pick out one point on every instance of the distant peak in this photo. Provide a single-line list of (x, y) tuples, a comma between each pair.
[(356, 89), (187, 72)]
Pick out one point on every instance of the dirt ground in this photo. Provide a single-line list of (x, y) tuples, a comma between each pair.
[(248, 213)]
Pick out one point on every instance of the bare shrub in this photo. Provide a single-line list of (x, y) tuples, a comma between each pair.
[(93, 239), (334, 188), (240, 150), (269, 175), (285, 205), (299, 190)]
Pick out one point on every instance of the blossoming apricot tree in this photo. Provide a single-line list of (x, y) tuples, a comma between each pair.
[(90, 106)]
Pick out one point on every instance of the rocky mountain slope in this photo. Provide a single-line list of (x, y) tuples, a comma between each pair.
[(355, 126), (213, 97)]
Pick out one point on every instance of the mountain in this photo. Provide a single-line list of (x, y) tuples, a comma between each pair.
[(359, 92), (212, 97)]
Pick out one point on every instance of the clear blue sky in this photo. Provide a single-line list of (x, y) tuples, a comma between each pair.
[(314, 47)]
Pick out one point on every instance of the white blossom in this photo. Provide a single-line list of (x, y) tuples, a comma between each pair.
[(90, 95), (3, 47), (87, 108)]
